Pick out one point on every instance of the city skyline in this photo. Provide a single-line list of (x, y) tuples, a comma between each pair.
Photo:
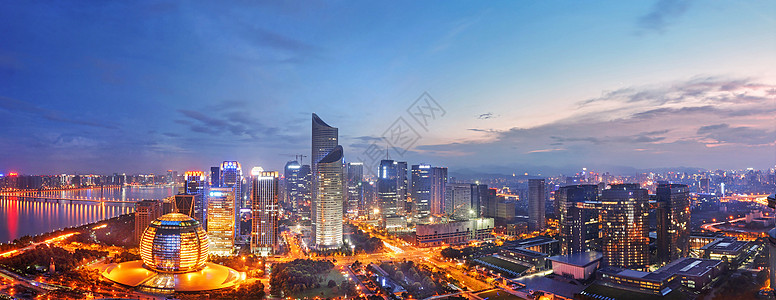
[(185, 86)]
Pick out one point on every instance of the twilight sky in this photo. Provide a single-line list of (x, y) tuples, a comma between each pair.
[(534, 86)]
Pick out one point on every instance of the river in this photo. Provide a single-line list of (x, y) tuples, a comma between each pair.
[(20, 216)]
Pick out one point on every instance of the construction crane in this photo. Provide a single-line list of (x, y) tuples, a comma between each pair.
[(297, 157)]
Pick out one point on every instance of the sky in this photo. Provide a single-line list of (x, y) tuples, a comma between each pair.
[(499, 86)]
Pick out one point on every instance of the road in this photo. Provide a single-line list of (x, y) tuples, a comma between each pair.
[(710, 226)]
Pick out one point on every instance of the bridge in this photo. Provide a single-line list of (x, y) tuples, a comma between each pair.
[(57, 194)]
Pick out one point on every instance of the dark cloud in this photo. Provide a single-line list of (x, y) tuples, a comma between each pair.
[(486, 116), (662, 14), (16, 106), (709, 128), (672, 124), (724, 134)]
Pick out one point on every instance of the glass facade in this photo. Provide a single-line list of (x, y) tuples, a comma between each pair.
[(221, 220), (174, 243)]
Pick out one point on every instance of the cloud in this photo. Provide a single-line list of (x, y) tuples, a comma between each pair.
[(669, 124), (16, 106), (486, 116), (235, 122), (662, 15)]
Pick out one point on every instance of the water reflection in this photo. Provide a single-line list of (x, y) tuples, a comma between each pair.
[(21, 216)]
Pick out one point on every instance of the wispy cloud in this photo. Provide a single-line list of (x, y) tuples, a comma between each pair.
[(486, 116), (18, 106), (662, 15), (673, 123)]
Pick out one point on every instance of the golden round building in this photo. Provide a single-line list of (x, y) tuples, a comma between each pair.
[(174, 250)]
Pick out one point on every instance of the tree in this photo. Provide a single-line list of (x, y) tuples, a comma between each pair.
[(331, 283), (762, 276), (399, 275)]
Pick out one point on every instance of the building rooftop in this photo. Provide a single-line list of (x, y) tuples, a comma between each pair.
[(531, 242), (690, 266), (578, 259), (725, 245), (526, 252)]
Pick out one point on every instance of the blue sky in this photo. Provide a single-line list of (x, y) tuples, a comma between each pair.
[(534, 86)]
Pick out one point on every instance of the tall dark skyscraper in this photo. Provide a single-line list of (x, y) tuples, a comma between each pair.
[(402, 187), (536, 203), (480, 193), (673, 221), (624, 226), (194, 184), (388, 188), (298, 184), (355, 189), (578, 218), (264, 202), (420, 190), (327, 195), (215, 176)]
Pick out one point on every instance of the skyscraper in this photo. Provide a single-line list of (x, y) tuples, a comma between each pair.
[(388, 188), (420, 190), (327, 192), (145, 212), (480, 193), (264, 199), (215, 176), (231, 177), (328, 207), (438, 184), (194, 184), (577, 218), (297, 186), (536, 202), (355, 189), (221, 220), (673, 221), (624, 226), (402, 188), (458, 201)]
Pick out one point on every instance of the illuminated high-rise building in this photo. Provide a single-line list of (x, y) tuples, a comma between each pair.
[(231, 177), (420, 190), (625, 226), (673, 221), (145, 212), (458, 201), (388, 188), (264, 199), (327, 188), (328, 205), (298, 184), (355, 189), (536, 202), (221, 220), (195, 184), (578, 218)]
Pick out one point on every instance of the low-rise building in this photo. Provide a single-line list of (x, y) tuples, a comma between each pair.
[(727, 249), (453, 233), (579, 266), (539, 244), (694, 274)]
